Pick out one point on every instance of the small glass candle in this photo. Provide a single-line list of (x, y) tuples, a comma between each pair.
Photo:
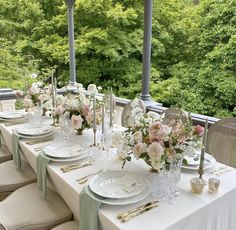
[(213, 185), (197, 185)]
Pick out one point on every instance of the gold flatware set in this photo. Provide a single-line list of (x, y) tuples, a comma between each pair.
[(126, 216), (68, 168)]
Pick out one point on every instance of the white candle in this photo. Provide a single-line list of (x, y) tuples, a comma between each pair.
[(53, 92), (103, 118), (111, 107), (204, 145), (94, 112), (55, 89)]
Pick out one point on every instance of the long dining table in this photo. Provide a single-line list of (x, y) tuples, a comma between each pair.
[(190, 211)]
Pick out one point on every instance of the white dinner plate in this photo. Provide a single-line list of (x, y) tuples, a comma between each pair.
[(209, 162), (64, 150), (130, 200), (13, 115), (35, 130), (117, 184), (80, 157), (35, 137)]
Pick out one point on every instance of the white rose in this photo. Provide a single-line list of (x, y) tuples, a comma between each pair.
[(153, 115), (92, 88), (134, 103), (116, 138), (155, 151), (48, 105)]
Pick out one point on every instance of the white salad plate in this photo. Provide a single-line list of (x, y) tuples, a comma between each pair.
[(130, 200), (13, 115), (117, 184), (64, 150), (35, 130), (58, 159)]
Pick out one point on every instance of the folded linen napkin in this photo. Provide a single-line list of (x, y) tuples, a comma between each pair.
[(89, 205), (42, 163), (16, 150)]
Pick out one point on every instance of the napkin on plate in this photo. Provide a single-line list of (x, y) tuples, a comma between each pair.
[(15, 150), (42, 163), (89, 205)]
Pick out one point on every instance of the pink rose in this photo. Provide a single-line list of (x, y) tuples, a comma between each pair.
[(158, 131), (76, 122), (199, 130)]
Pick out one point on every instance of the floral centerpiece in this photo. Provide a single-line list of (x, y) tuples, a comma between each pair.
[(33, 96), (80, 108), (157, 143)]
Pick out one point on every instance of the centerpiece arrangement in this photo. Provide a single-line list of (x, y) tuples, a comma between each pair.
[(80, 108), (158, 143)]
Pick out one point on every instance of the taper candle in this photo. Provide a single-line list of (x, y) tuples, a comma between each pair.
[(53, 92), (103, 118), (200, 171), (111, 107), (94, 112)]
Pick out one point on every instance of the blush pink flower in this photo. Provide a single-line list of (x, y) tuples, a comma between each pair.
[(139, 149), (59, 110), (158, 131), (89, 118), (76, 122), (199, 130), (86, 110)]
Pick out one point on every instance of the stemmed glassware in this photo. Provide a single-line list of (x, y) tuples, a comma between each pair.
[(65, 127), (165, 182)]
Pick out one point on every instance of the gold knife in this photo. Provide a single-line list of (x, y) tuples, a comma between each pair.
[(132, 215), (124, 214)]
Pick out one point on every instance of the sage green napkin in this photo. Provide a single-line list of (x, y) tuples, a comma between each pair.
[(42, 163), (89, 205), (16, 150)]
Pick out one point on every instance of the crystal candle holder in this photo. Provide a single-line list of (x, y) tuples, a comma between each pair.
[(197, 185), (213, 185)]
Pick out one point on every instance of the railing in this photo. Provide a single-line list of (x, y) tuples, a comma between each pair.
[(8, 94)]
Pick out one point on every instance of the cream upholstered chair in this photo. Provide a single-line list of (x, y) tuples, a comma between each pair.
[(221, 141), (26, 209), (12, 178), (5, 154), (70, 225), (127, 112), (173, 113)]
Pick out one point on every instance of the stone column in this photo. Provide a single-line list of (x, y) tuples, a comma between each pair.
[(70, 4)]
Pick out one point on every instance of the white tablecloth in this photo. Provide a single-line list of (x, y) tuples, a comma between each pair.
[(191, 211)]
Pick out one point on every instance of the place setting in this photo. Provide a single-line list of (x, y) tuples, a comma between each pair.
[(192, 162), (113, 188), (13, 117)]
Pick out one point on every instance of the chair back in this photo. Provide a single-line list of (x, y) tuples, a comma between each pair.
[(174, 113), (221, 141), (127, 112)]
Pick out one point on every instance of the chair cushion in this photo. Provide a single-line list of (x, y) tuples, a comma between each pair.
[(70, 225), (12, 178), (5, 154), (26, 209)]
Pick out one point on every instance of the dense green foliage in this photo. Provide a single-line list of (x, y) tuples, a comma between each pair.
[(193, 48)]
